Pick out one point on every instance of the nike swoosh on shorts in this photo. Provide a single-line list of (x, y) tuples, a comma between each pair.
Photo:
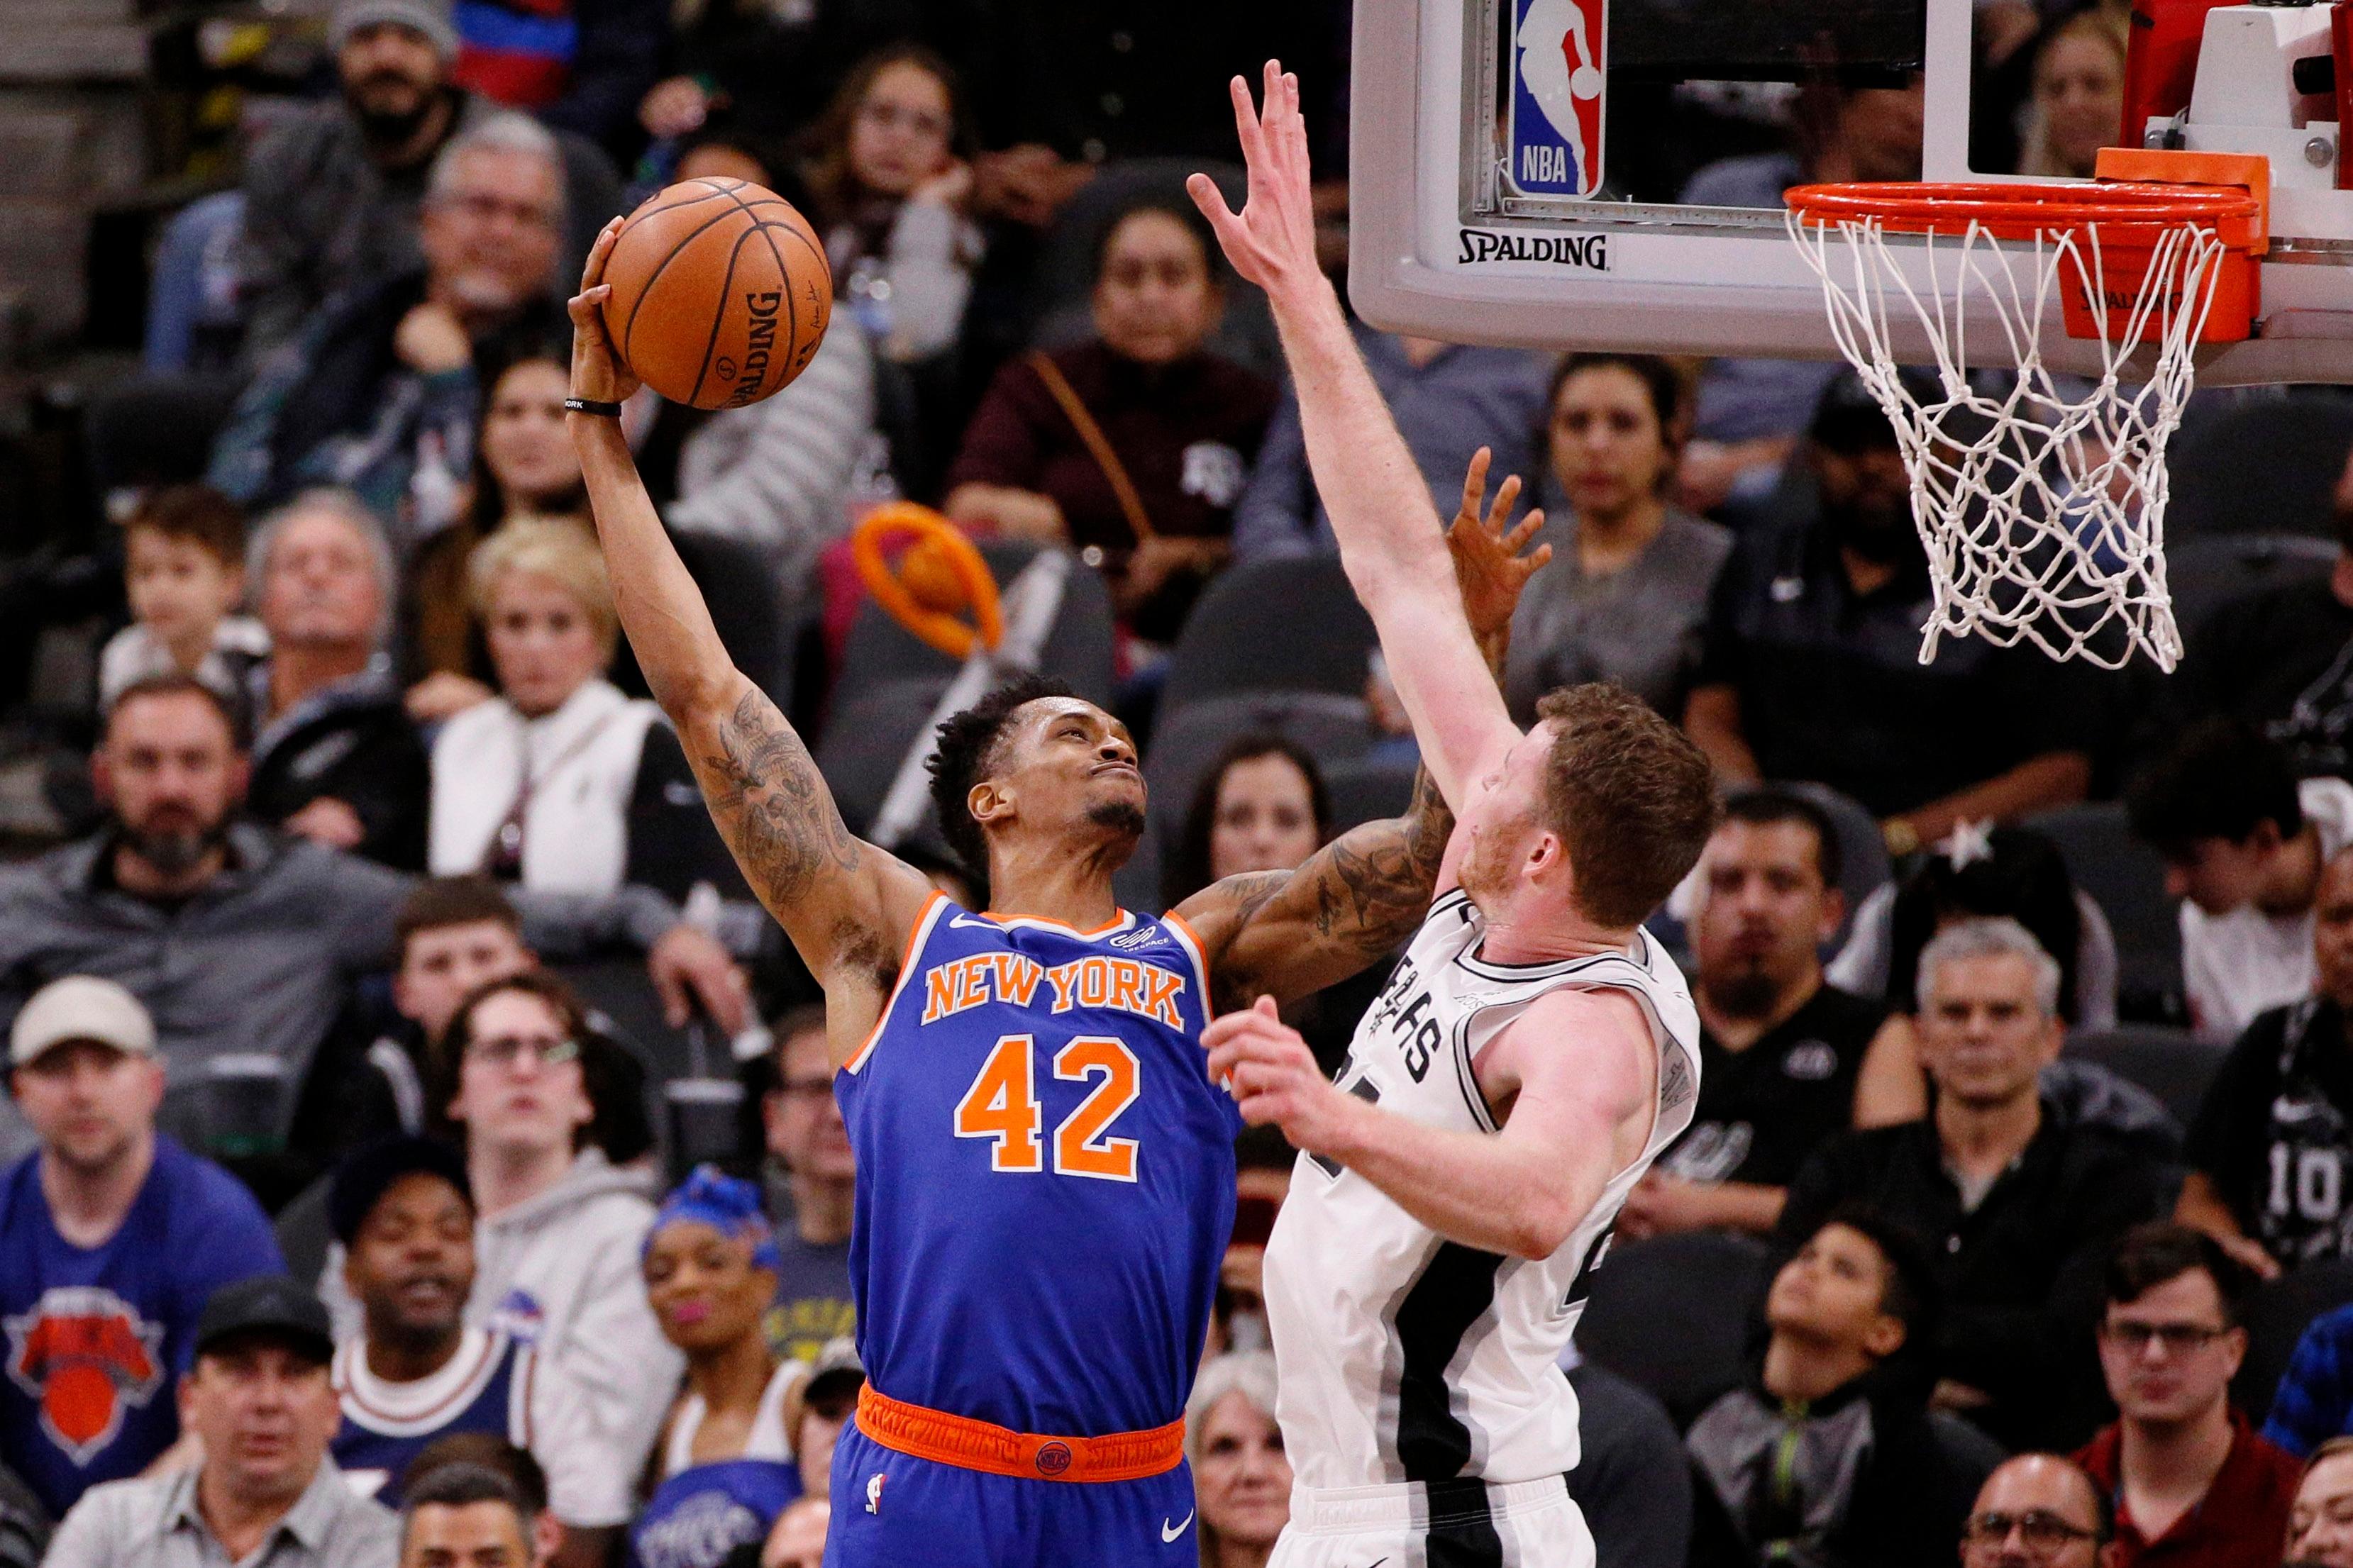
[(1170, 1532)]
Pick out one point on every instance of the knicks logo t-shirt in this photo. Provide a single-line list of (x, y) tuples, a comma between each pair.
[(95, 1336)]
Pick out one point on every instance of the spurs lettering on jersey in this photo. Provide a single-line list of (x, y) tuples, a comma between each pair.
[(1408, 1358)]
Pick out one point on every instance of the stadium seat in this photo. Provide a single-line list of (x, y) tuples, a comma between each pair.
[(1290, 625), (867, 738), (158, 430), (879, 650), (1367, 790), (2275, 1314), (740, 589), (2126, 879), (1332, 728), (1672, 1314), (2206, 573), (2171, 1064), (2260, 462)]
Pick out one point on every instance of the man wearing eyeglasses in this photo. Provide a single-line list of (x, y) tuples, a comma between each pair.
[(2192, 1484), (811, 1193), (2039, 1511)]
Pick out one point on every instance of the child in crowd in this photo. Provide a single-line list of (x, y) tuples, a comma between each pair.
[(183, 553)]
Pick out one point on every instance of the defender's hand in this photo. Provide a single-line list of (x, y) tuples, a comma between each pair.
[(1489, 564), (1272, 241), (597, 373), (1270, 1072)]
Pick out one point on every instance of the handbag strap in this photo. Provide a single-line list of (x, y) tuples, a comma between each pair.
[(1098, 446)]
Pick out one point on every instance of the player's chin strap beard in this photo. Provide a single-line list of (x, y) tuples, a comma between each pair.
[(1121, 816)]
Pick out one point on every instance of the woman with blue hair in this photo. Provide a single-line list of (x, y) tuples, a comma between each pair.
[(725, 1462)]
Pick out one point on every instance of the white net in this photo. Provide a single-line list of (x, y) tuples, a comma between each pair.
[(2040, 496)]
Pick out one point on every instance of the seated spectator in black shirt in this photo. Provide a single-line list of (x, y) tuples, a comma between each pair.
[(2281, 659), (2019, 1206), (1829, 1457), (1813, 665), (377, 391), (1780, 1050), (335, 758), (2195, 1486), (2273, 1144), (331, 193), (1177, 421)]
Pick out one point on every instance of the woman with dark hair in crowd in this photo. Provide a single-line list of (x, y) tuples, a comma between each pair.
[(523, 467), (1129, 447), (1625, 596), (724, 1464), (1262, 806), (889, 171)]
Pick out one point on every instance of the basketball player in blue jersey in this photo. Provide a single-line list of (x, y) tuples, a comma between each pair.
[(1535, 1051), (1045, 1170)]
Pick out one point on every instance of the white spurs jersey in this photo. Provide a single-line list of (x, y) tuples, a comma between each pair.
[(1407, 1358)]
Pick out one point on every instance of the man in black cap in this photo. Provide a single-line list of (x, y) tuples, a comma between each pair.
[(259, 1402), (1812, 664), (404, 1211)]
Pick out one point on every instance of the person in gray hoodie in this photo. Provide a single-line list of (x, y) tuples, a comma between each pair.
[(559, 1227)]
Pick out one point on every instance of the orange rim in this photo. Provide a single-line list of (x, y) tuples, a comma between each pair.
[(949, 634), (2133, 212)]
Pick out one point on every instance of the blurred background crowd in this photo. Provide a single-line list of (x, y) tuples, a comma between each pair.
[(391, 1035)]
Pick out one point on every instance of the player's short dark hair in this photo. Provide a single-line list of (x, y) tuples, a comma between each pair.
[(480, 1451), (1773, 806), (2220, 780), (152, 686), (197, 513), (1908, 1290), (2160, 1252), (439, 902), (1629, 795), (968, 748)]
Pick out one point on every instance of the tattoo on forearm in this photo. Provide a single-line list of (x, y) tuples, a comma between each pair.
[(772, 805), (1359, 897)]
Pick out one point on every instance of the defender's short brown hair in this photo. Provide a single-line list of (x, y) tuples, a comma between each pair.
[(197, 514), (1630, 796)]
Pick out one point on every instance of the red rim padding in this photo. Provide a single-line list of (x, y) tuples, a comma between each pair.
[(2130, 211)]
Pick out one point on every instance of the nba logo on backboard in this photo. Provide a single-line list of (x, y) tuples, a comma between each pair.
[(1557, 62)]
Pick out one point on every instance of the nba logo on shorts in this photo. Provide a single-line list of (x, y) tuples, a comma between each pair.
[(1557, 92)]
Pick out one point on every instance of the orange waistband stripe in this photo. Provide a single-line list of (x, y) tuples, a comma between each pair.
[(996, 1450)]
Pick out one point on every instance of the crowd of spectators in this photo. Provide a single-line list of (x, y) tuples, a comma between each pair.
[(383, 990)]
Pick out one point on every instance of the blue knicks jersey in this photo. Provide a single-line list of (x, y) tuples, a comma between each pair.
[(386, 1425), (1045, 1173)]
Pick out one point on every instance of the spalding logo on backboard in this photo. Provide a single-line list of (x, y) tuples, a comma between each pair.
[(1557, 96)]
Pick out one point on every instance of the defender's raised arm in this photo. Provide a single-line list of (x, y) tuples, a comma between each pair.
[(846, 904), (1388, 532)]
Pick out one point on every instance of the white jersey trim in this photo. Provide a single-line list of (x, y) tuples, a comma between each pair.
[(413, 1409)]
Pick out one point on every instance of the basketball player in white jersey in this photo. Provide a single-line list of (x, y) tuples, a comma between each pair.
[(1532, 1054)]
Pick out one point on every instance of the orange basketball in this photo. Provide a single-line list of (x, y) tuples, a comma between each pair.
[(720, 293)]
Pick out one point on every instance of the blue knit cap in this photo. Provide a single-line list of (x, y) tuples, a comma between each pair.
[(727, 1205)]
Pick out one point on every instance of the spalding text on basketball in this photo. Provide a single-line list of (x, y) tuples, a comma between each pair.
[(1589, 251), (761, 340)]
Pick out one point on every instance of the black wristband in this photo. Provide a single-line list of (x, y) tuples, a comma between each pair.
[(590, 405)]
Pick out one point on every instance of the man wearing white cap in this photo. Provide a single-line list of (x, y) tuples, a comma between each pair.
[(111, 1237)]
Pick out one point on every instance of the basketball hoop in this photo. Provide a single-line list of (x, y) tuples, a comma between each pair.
[(2043, 503)]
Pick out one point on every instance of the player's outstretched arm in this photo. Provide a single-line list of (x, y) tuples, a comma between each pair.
[(842, 902), (1379, 505), (1287, 933), (1573, 1077)]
